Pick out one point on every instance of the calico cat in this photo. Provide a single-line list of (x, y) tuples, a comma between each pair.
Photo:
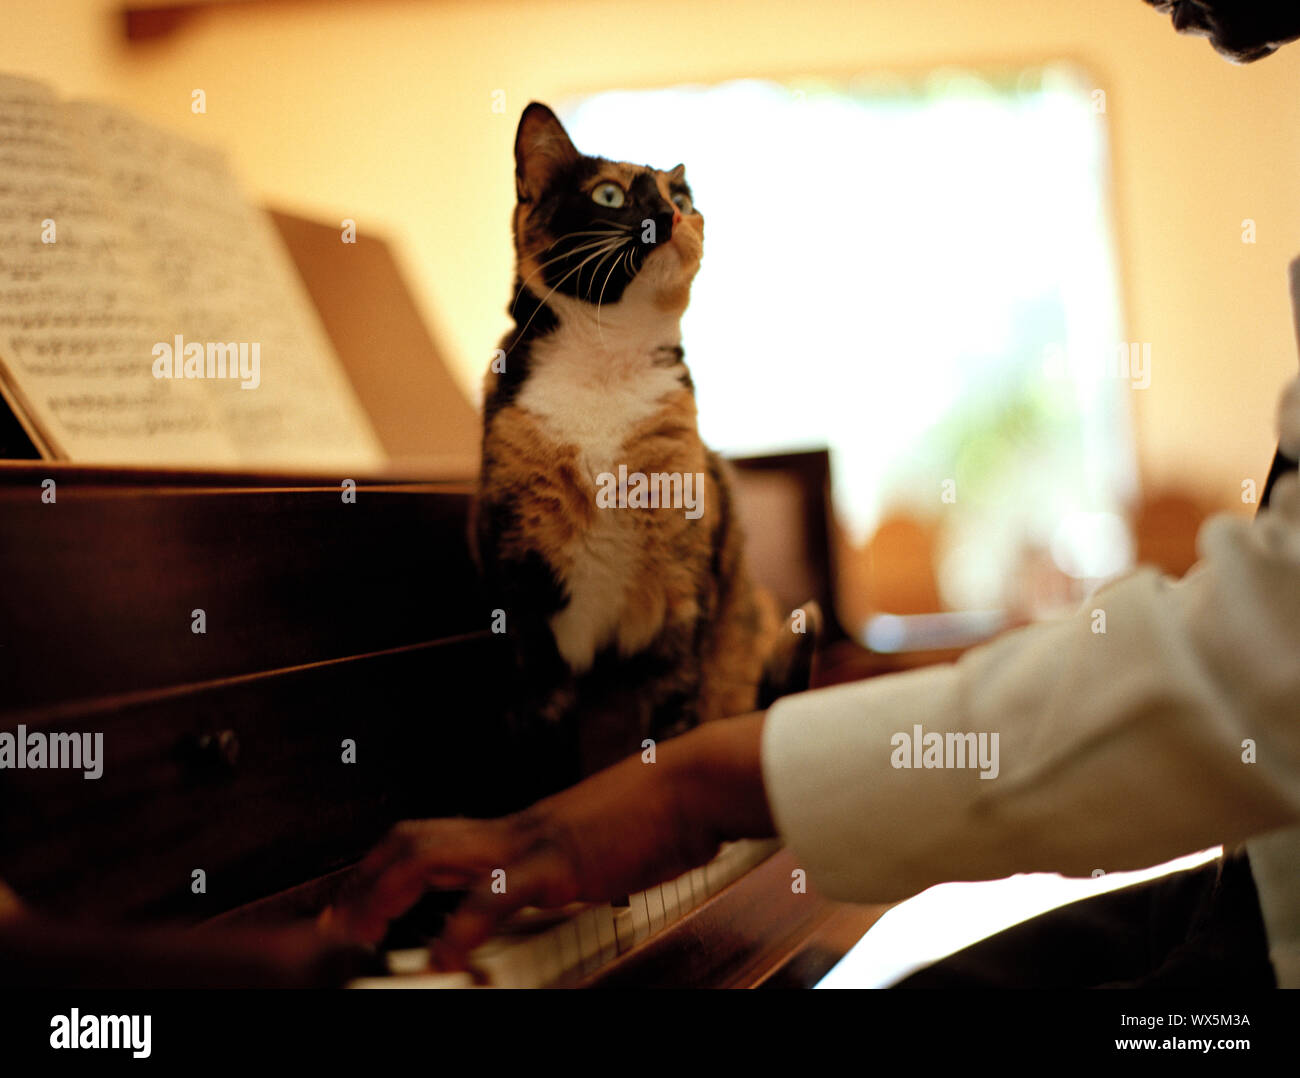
[(627, 621)]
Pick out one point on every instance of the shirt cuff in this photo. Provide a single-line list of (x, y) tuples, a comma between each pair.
[(842, 805)]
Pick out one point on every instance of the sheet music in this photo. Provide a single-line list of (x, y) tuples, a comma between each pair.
[(153, 242)]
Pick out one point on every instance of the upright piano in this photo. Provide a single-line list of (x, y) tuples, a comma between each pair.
[(346, 678), (280, 673)]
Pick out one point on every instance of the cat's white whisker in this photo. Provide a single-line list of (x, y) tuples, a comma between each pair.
[(601, 255), (601, 298), (550, 261), (612, 268), (601, 232), (577, 269)]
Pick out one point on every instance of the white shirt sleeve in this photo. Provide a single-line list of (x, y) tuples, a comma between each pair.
[(1176, 728)]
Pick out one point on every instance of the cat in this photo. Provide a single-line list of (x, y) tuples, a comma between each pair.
[(627, 622)]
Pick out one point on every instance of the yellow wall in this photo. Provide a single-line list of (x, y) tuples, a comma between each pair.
[(381, 111)]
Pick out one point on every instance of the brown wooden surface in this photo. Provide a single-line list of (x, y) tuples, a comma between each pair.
[(223, 751), (281, 809), (325, 621), (817, 953), (99, 586), (40, 953), (740, 938)]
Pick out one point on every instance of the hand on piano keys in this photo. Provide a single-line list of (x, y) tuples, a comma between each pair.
[(557, 948), (620, 832)]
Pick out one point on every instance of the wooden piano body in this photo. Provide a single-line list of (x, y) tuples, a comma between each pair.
[(328, 622)]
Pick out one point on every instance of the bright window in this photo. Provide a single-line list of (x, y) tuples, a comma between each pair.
[(919, 275)]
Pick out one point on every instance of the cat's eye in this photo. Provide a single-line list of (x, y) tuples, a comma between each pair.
[(682, 202), (608, 194)]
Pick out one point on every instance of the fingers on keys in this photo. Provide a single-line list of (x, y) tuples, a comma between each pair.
[(540, 878), (416, 856)]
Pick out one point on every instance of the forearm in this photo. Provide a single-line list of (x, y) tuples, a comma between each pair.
[(715, 777), (1167, 729)]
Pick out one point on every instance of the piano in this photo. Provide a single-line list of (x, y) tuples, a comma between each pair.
[(346, 678)]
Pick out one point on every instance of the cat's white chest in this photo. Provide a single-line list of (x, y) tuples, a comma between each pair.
[(594, 410), (594, 406)]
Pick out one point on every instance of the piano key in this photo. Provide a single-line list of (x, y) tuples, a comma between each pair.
[(606, 935), (569, 946), (416, 980), (687, 890), (715, 872), (640, 916), (549, 957), (408, 960), (668, 893), (507, 965), (654, 900), (542, 947), (625, 932), (588, 941)]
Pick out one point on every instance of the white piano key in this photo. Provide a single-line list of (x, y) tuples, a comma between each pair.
[(511, 964), (721, 870), (695, 880), (640, 916), (588, 940), (570, 948), (668, 892), (735, 859), (606, 934), (407, 960), (685, 892), (624, 927), (654, 900), (548, 952), (416, 980)]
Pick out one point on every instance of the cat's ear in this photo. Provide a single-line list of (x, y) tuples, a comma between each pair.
[(542, 147), (677, 174)]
